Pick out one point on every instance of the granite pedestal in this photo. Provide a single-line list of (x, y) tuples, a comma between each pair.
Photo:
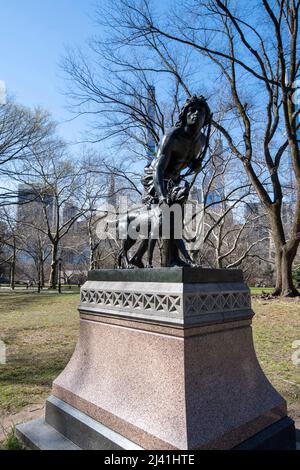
[(165, 360)]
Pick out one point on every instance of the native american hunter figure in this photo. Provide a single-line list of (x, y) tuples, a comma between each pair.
[(181, 149)]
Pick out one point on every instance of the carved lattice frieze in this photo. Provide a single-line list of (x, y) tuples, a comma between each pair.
[(132, 300), (194, 304), (216, 302)]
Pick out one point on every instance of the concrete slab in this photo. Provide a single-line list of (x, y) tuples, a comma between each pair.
[(181, 275), (83, 430), (38, 435)]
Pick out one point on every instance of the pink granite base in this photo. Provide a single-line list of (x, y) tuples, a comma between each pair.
[(166, 390)]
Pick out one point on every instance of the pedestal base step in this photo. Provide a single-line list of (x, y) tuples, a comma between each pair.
[(66, 428), (70, 426), (278, 436), (38, 435)]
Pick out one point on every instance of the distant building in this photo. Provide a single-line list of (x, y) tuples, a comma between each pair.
[(287, 213), (34, 193), (74, 243), (260, 230), (69, 211), (254, 209), (214, 180), (112, 195), (256, 212), (151, 100), (31, 200)]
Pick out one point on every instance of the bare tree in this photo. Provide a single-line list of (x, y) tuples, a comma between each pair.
[(106, 182), (34, 244), (226, 242), (257, 57), (229, 243), (53, 181), (11, 241), (125, 106), (20, 129), (117, 92)]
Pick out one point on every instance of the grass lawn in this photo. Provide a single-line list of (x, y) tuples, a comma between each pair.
[(261, 290), (40, 332), (276, 326)]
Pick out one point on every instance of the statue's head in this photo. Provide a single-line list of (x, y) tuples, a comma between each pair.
[(197, 102)]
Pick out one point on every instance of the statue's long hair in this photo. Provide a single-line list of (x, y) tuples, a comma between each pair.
[(201, 101)]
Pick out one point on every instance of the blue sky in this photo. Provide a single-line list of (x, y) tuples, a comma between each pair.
[(33, 36)]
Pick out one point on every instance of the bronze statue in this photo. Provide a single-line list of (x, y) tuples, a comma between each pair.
[(182, 148)]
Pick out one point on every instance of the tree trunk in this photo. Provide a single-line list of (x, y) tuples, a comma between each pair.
[(92, 254), (288, 288), (12, 275), (278, 283), (39, 276), (165, 253), (284, 280), (42, 273), (92, 263), (53, 271), (13, 269), (284, 256)]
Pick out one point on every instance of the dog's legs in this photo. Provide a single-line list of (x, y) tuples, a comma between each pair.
[(120, 258), (182, 248), (154, 233), (129, 242), (136, 260), (123, 261), (151, 246)]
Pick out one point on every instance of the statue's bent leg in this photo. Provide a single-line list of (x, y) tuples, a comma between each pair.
[(123, 260), (151, 246), (120, 258), (136, 260), (184, 252)]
